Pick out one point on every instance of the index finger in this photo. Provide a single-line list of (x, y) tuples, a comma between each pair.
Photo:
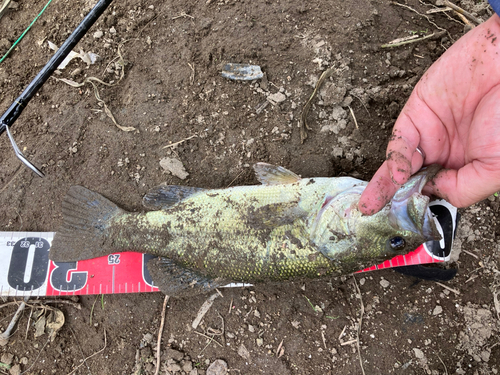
[(378, 192), (402, 161)]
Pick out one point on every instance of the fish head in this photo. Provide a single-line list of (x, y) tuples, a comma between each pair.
[(356, 241)]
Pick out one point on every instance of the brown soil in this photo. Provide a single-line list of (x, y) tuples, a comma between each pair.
[(172, 89)]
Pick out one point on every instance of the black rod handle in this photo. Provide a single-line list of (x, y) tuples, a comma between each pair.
[(16, 108)]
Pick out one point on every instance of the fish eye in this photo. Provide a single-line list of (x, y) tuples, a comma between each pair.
[(397, 243)]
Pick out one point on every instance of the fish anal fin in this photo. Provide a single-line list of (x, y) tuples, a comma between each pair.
[(269, 174), (166, 196), (178, 281)]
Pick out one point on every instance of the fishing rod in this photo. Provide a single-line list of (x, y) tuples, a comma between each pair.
[(17, 107)]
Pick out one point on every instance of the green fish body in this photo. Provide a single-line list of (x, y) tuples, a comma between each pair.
[(286, 228)]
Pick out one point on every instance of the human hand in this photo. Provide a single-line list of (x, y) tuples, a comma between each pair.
[(453, 116)]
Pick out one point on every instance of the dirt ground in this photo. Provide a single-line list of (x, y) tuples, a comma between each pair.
[(167, 84)]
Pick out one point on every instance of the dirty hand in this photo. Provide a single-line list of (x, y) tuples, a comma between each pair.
[(453, 116)]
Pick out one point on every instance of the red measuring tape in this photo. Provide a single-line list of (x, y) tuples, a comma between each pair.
[(27, 270)]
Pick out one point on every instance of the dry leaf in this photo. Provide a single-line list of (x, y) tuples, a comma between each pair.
[(88, 57), (54, 322), (40, 327)]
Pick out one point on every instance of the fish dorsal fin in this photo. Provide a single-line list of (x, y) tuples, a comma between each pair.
[(268, 174), (166, 196)]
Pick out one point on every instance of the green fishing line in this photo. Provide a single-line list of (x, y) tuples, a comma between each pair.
[(25, 31)]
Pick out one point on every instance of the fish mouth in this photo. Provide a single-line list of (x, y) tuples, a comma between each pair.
[(410, 210)]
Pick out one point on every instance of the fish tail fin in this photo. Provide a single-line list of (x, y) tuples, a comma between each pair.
[(86, 219)]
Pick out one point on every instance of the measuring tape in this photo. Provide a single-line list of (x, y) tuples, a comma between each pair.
[(27, 271)]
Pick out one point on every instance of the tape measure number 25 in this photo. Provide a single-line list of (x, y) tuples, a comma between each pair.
[(27, 271)]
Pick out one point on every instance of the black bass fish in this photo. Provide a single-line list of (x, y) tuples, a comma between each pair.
[(288, 227)]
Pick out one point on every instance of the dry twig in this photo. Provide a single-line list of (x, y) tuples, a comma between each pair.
[(36, 359), (445, 368), (203, 310), (280, 352), (359, 324), (324, 340), (98, 97), (232, 182), (411, 39), (179, 142), (354, 117), (184, 15), (342, 334), (438, 10), (426, 17), (471, 254), (445, 12), (210, 338), (92, 355), (191, 77), (303, 117), (81, 350), (28, 325), (158, 344), (223, 326), (348, 342), (420, 14), (459, 10), (65, 301), (447, 287)]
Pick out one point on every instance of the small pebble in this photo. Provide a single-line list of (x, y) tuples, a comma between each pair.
[(174, 367), (243, 352), (7, 358), (418, 353), (187, 367), (175, 167), (485, 355), (218, 367), (15, 370), (384, 283), (277, 98), (437, 310)]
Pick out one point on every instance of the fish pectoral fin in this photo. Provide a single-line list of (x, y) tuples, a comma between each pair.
[(268, 174), (178, 281), (335, 248), (166, 196)]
